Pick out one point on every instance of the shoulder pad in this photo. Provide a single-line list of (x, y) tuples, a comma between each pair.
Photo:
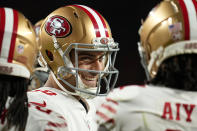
[(125, 93)]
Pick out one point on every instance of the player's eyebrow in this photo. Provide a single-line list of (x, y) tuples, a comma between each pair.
[(85, 53), (90, 54)]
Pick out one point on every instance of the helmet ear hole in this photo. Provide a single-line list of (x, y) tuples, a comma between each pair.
[(29, 25), (49, 55), (75, 14)]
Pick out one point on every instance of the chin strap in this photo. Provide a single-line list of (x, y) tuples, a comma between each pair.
[(76, 93), (83, 86), (62, 87)]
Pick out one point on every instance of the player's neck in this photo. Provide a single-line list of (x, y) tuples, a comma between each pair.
[(51, 83)]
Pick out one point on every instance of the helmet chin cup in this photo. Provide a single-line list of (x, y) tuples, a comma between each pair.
[(76, 93)]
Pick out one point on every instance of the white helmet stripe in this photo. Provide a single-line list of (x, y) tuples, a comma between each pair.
[(6, 42), (192, 18), (97, 19)]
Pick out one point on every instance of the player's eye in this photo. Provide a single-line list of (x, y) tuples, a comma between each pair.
[(85, 59), (102, 58)]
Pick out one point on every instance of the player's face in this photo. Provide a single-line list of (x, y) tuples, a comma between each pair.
[(89, 61)]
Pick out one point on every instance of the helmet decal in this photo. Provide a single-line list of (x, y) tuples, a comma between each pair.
[(104, 40), (99, 24), (175, 30), (9, 18), (58, 26), (20, 49)]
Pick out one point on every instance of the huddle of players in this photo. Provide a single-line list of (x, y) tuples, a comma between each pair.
[(75, 44)]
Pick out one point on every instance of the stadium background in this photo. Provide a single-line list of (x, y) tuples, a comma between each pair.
[(124, 18)]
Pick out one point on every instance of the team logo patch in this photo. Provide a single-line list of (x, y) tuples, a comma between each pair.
[(20, 49), (104, 40), (175, 30), (58, 26)]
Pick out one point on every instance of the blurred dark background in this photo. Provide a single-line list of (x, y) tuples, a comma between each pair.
[(124, 18)]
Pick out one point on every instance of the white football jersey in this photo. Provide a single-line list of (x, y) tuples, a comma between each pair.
[(68, 108), (39, 119), (148, 108)]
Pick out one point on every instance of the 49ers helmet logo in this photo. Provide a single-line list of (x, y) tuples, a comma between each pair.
[(58, 26)]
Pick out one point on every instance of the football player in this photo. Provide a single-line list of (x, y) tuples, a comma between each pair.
[(18, 50), (168, 49), (76, 44)]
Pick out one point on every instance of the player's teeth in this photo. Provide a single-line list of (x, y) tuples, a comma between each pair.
[(88, 78)]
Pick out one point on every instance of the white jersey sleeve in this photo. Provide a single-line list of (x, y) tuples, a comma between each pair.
[(42, 119), (106, 113), (68, 107)]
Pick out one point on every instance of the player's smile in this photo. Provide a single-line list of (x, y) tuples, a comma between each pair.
[(88, 79), (90, 61)]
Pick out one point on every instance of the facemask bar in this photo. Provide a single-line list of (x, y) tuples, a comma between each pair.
[(111, 70), (99, 79), (143, 60)]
